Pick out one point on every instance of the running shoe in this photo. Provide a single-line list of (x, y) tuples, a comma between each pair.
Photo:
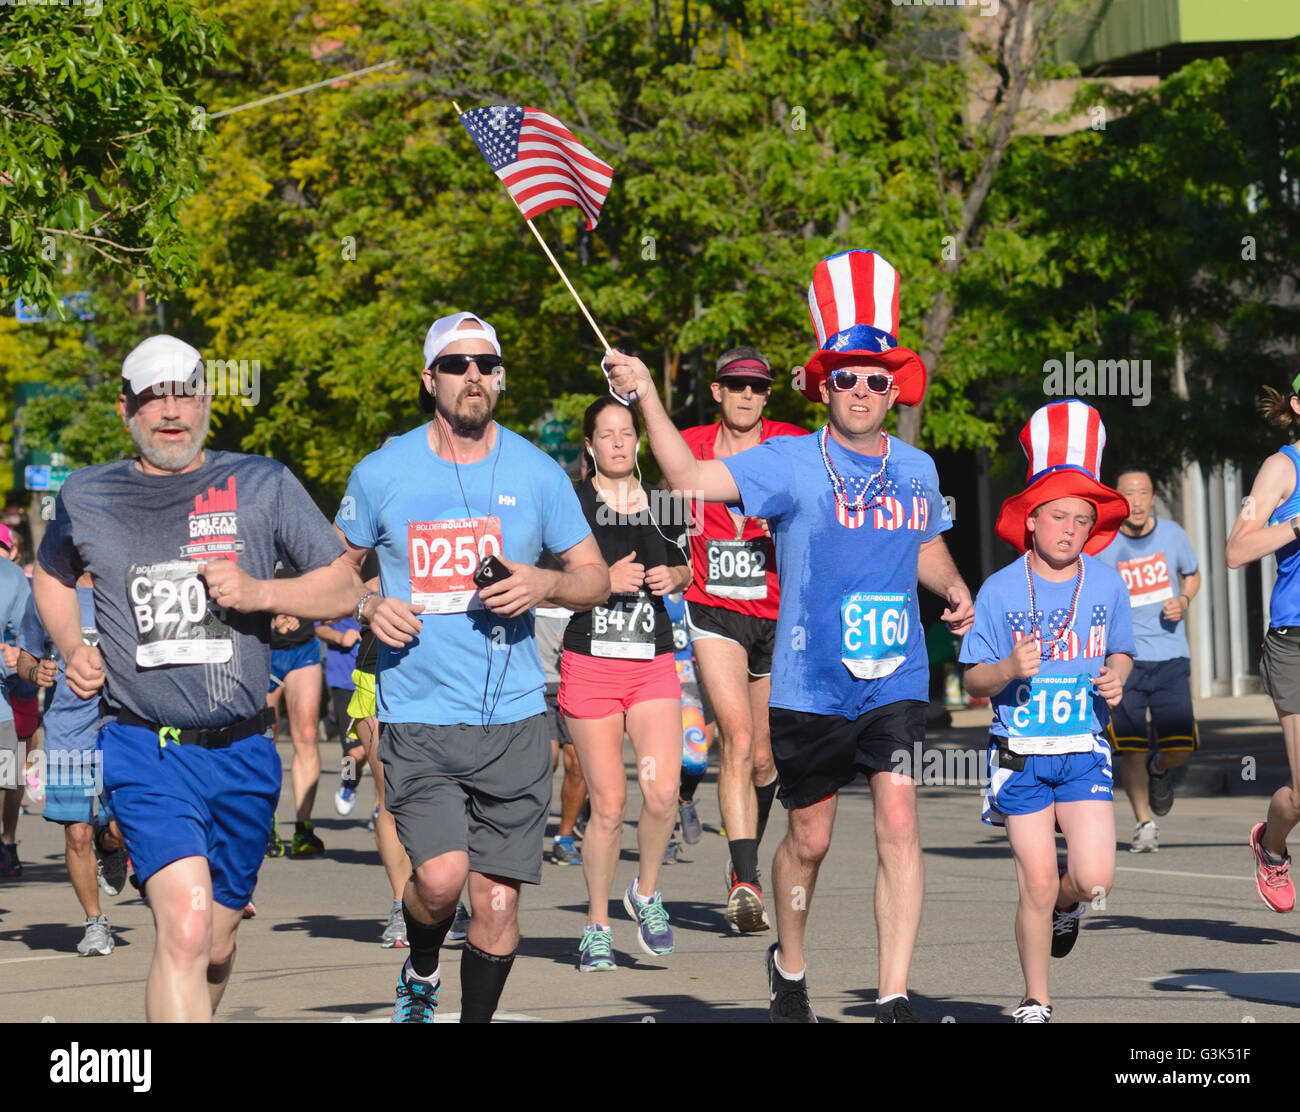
[(653, 932), (97, 939), (1065, 929), (564, 851), (416, 999), (35, 787), (584, 816), (788, 1000), (110, 864), (1272, 882), (692, 831), (275, 846), (596, 950), (395, 933), (305, 843), (898, 1010), (374, 818), (10, 866), (1146, 838), (345, 799), (745, 910), (1160, 787), (1031, 1011), (670, 853), (459, 925), (249, 910)]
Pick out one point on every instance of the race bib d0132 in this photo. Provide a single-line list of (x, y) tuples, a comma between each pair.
[(1052, 714), (173, 624), (874, 631), (1147, 579), (442, 557)]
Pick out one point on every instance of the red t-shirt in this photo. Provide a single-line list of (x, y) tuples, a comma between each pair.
[(734, 574)]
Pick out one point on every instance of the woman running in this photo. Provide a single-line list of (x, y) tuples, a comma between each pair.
[(616, 674)]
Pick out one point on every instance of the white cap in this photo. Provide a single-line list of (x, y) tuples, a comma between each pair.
[(160, 359), (446, 331)]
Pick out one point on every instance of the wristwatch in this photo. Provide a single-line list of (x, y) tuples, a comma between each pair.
[(361, 606)]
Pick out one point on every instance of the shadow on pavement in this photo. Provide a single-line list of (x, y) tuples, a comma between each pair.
[(1281, 988), (931, 1009), (1217, 930), (684, 1009), (332, 926), (61, 938)]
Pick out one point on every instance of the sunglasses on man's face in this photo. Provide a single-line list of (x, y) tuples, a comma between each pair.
[(844, 380), (459, 364), (737, 385)]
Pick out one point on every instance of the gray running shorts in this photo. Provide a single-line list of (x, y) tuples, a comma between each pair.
[(484, 792), (1279, 667)]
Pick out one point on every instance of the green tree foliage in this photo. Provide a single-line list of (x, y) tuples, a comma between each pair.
[(96, 145)]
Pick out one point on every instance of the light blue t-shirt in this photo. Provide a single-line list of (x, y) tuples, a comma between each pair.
[(70, 722), (430, 521), (15, 595), (848, 591), (1150, 567), (1102, 625)]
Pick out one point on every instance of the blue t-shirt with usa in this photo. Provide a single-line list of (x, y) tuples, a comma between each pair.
[(431, 522), (1102, 625), (848, 632)]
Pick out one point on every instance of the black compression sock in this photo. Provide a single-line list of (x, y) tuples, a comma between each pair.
[(744, 859), (425, 939), (690, 781), (482, 977), (765, 794)]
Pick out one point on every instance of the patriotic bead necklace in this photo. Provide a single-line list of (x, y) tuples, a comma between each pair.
[(859, 503), (1061, 637)]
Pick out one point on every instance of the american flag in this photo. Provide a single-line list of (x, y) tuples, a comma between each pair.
[(540, 161)]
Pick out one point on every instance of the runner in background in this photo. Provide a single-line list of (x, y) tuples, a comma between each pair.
[(341, 640), (732, 605), (697, 725), (1153, 555), (74, 775), (24, 698), (14, 595)]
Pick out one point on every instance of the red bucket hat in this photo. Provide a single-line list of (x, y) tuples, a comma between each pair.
[(853, 302), (1063, 442)]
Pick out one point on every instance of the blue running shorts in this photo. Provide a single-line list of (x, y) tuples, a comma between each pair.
[(186, 801), (284, 661), (1067, 778)]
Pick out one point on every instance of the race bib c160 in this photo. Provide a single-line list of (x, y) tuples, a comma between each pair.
[(874, 630)]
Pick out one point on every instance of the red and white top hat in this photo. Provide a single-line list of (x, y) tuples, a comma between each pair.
[(853, 302), (1063, 442)]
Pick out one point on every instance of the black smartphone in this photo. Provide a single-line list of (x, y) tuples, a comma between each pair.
[(490, 571)]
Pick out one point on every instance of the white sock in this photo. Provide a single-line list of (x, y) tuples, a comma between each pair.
[(408, 971), (776, 960), (636, 893), (892, 996)]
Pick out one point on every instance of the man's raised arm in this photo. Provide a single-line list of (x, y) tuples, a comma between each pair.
[(706, 479)]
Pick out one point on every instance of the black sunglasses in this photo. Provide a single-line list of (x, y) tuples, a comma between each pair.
[(459, 364), (737, 385), (843, 380)]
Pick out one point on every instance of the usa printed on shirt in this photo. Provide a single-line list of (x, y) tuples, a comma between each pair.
[(1070, 647), (895, 507)]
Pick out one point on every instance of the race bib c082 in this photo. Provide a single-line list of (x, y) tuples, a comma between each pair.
[(737, 569), (874, 630), (1052, 714), (173, 624)]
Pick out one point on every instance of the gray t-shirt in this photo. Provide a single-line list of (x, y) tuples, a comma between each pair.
[(170, 656)]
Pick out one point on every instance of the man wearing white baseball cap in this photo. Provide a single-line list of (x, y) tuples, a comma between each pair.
[(459, 510), (181, 544)]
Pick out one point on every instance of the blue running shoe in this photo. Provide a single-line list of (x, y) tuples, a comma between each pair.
[(596, 950), (565, 850), (653, 932), (345, 798), (416, 1000)]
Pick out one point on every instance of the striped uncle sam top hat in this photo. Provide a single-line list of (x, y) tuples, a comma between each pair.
[(1064, 442), (853, 302)]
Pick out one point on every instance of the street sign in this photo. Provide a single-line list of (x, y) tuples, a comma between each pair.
[(45, 477)]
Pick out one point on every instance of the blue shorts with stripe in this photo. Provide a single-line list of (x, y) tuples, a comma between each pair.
[(179, 801), (1045, 780)]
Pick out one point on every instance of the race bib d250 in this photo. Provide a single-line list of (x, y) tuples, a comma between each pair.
[(874, 629), (173, 624), (442, 557)]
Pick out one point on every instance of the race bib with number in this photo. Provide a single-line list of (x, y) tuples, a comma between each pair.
[(737, 569), (1053, 714), (173, 624), (443, 556), (873, 633), (625, 630), (1147, 579)]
